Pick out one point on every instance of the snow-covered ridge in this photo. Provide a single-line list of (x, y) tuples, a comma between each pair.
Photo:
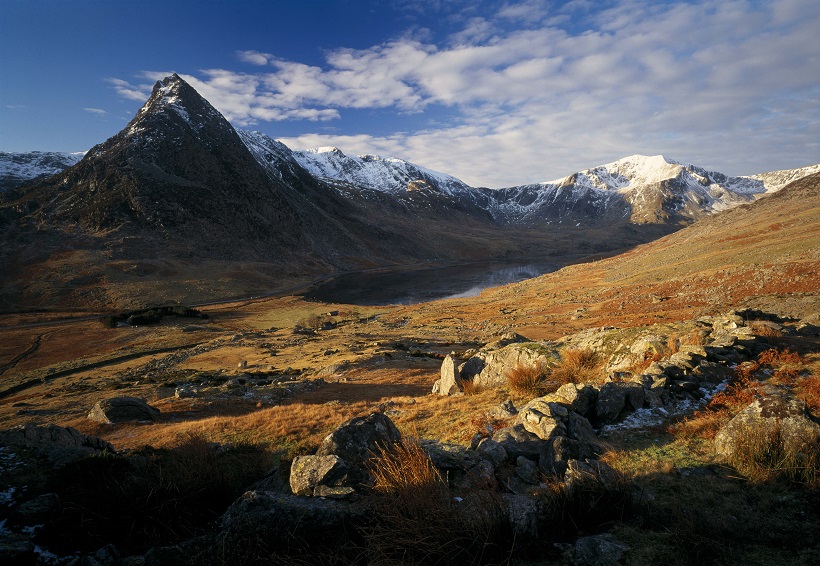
[(16, 168), (385, 174)]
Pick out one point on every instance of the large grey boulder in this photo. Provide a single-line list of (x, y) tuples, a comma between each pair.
[(309, 472), (775, 415), (59, 445), (450, 381), (496, 364), (543, 418), (282, 520), (615, 397), (576, 396), (123, 409), (358, 440)]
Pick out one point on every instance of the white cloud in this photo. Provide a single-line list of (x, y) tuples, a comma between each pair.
[(730, 84), (97, 111), (254, 57), (129, 91)]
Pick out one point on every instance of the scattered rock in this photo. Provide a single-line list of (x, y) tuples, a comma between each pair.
[(503, 411), (577, 397), (123, 409), (309, 472), (357, 440)]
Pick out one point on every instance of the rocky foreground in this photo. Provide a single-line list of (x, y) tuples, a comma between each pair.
[(535, 482)]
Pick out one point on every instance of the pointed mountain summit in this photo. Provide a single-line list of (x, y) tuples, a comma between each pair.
[(178, 170)]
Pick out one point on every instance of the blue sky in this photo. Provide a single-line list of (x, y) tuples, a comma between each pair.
[(495, 92)]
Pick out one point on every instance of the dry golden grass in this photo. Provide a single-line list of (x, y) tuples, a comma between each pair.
[(760, 328), (763, 455), (576, 366), (419, 522), (530, 379)]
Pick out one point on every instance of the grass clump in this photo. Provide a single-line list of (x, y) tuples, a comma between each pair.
[(530, 379), (763, 454), (576, 366), (418, 521)]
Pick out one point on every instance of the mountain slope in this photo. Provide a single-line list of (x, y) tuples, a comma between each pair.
[(762, 255)]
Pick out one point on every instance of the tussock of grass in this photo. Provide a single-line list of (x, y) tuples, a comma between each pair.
[(576, 366), (530, 379), (764, 455), (419, 522)]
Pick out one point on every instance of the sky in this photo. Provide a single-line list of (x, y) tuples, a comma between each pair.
[(495, 92)]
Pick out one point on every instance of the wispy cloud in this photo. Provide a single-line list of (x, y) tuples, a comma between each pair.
[(97, 111), (730, 84), (254, 57), (130, 91)]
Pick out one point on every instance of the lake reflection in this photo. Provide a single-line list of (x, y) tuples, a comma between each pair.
[(411, 287)]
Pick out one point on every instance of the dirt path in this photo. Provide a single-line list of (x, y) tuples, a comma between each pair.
[(94, 365), (35, 344)]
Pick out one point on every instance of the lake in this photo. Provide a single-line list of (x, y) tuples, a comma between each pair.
[(407, 287)]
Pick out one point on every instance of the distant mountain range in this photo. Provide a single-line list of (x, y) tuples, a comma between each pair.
[(180, 192)]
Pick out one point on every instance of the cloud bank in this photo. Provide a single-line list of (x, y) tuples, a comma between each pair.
[(527, 94)]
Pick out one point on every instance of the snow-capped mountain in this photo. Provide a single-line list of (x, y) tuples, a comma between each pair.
[(17, 168), (385, 174), (658, 189)]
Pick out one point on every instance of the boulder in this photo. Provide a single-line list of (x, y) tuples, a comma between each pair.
[(496, 364), (614, 397), (58, 444), (581, 474), (358, 440), (282, 521), (493, 451), (561, 451), (527, 470), (776, 414), (38, 511), (309, 472), (450, 382), (525, 514), (123, 409), (503, 411), (577, 397), (518, 441), (543, 418)]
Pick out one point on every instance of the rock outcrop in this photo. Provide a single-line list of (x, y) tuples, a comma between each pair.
[(776, 417), (123, 409), (59, 445)]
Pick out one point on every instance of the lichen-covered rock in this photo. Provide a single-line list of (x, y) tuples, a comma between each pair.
[(123, 409), (309, 472), (496, 364), (543, 418), (357, 440), (577, 397), (775, 415), (493, 451), (450, 382)]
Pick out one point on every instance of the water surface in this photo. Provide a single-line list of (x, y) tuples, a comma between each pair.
[(407, 287)]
